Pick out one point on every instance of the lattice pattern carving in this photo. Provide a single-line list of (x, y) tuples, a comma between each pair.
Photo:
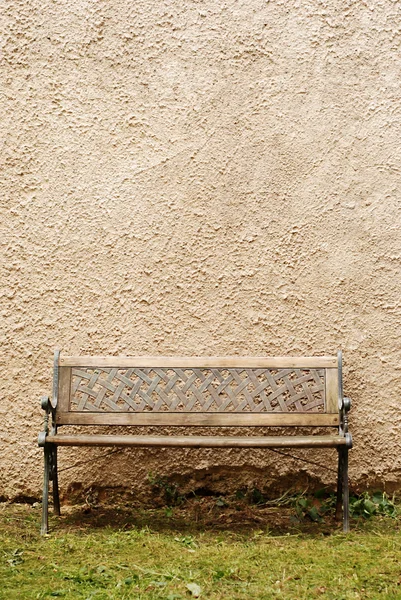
[(197, 390)]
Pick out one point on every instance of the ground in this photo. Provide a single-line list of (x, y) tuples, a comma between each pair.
[(204, 547)]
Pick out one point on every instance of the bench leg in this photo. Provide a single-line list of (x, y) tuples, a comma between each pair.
[(45, 499), (345, 491), (342, 504), (339, 503), (56, 497)]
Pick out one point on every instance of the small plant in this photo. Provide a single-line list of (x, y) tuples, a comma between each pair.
[(368, 505), (250, 495), (304, 507), (15, 558), (221, 502), (314, 507), (169, 489), (225, 573), (255, 496), (187, 541)]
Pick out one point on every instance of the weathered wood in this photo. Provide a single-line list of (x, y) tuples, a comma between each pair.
[(64, 389), (285, 362), (199, 441), (219, 389), (332, 390), (200, 419)]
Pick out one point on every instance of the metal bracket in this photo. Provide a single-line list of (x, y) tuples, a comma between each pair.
[(42, 439), (348, 441), (346, 404), (45, 403)]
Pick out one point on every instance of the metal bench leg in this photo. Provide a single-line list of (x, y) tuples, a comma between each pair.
[(345, 491), (56, 497), (45, 500), (339, 503)]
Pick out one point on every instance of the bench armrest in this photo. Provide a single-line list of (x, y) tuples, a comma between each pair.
[(345, 407), (49, 410)]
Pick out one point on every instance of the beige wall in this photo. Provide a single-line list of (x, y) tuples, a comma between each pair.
[(205, 177)]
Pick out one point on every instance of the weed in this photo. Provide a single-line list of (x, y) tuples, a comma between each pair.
[(170, 490), (367, 505), (313, 507), (255, 496), (15, 557), (318, 505), (187, 541), (221, 502), (304, 507), (225, 573)]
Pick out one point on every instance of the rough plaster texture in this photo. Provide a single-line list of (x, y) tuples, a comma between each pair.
[(200, 177)]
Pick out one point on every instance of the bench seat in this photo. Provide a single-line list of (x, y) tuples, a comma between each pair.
[(192, 441)]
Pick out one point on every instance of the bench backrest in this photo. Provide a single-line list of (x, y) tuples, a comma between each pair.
[(229, 391)]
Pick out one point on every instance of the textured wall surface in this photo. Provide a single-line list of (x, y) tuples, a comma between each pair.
[(200, 177)]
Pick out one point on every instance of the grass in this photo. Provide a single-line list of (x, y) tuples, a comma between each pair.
[(203, 548)]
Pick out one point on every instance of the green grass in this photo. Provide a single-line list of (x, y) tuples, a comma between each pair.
[(205, 549)]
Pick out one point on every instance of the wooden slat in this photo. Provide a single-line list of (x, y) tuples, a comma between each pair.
[(200, 419), (199, 441), (285, 362), (332, 390), (64, 389)]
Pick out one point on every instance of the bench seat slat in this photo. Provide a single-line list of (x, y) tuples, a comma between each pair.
[(312, 441), (278, 419)]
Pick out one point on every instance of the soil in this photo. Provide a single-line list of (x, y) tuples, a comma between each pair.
[(196, 514)]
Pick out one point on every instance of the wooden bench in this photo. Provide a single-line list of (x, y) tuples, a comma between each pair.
[(202, 392)]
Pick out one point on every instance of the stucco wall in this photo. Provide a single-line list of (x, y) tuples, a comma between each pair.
[(200, 177)]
